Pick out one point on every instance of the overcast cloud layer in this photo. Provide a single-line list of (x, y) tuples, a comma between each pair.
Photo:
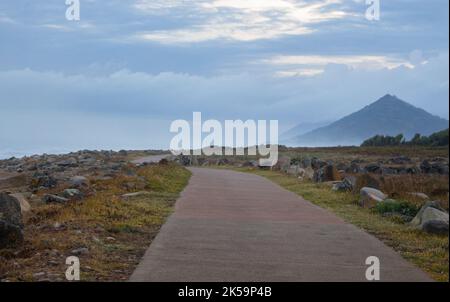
[(119, 76)]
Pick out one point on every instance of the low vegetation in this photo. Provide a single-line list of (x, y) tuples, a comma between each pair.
[(108, 233), (429, 252)]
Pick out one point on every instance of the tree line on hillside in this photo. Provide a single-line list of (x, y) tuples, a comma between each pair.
[(436, 139)]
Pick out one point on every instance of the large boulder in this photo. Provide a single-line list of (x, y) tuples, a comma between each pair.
[(306, 173), (327, 173), (347, 184), (23, 202), (11, 227), (294, 170), (282, 164), (432, 219), (417, 221), (370, 197)]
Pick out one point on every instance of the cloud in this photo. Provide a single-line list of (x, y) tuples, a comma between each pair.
[(5, 19), (315, 64), (237, 20)]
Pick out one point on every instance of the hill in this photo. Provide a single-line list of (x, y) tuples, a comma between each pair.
[(387, 116)]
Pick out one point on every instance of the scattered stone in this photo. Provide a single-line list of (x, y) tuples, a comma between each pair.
[(293, 170), (43, 180), (370, 197), (11, 227), (373, 168), (72, 194), (346, 185), (24, 204), (134, 195), (80, 251), (49, 198), (250, 163), (419, 195), (282, 164), (327, 173)]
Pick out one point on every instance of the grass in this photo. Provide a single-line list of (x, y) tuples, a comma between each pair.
[(429, 252), (116, 232)]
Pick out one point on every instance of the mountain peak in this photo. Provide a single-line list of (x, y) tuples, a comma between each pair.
[(388, 115)]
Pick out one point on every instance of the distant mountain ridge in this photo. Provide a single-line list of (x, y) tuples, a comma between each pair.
[(387, 116)]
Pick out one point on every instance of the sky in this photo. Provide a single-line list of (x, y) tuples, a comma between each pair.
[(116, 78)]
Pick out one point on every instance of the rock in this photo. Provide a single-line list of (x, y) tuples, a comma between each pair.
[(435, 227), (49, 198), (425, 166), (79, 182), (80, 251), (417, 221), (223, 162), (11, 227), (431, 220), (354, 168), (282, 164), (373, 168), (185, 160), (309, 173), (419, 195), (24, 204), (317, 163), (306, 163), (431, 213), (70, 162), (293, 170), (400, 160), (327, 173), (348, 184), (73, 194), (250, 163), (43, 180), (369, 197), (134, 195)]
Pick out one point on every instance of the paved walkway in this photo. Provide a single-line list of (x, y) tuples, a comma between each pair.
[(231, 226)]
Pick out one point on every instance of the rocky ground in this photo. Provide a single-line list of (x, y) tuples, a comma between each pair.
[(87, 203)]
